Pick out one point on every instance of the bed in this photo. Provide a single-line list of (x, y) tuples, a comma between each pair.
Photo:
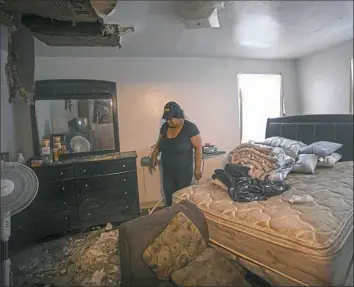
[(307, 244)]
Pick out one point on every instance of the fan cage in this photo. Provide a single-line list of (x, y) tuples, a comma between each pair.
[(25, 197)]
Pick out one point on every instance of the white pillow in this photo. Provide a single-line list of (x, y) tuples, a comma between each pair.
[(306, 163), (329, 160)]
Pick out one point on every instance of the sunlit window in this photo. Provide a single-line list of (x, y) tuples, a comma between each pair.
[(260, 98)]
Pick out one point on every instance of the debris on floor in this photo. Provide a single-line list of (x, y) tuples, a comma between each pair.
[(89, 258)]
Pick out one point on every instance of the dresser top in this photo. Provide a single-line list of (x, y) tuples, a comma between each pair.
[(90, 158)]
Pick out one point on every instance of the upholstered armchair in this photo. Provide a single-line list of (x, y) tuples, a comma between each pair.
[(170, 247)]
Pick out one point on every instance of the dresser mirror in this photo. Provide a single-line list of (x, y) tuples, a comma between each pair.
[(73, 118)]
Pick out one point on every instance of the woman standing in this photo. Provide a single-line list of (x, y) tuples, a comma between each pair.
[(178, 138)]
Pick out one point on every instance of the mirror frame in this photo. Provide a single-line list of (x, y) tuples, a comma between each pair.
[(74, 89)]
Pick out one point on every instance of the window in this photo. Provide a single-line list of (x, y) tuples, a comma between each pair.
[(260, 98)]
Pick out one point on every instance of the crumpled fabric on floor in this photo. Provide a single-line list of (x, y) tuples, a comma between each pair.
[(243, 188)]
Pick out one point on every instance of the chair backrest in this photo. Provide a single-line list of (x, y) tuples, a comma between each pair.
[(136, 235)]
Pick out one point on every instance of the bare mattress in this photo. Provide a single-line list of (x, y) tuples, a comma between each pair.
[(308, 243)]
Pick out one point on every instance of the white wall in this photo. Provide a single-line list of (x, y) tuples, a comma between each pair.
[(206, 89), (324, 80)]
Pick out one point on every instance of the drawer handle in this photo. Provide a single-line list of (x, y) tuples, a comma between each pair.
[(88, 214), (63, 188), (125, 180), (61, 173), (127, 206), (86, 185), (87, 199), (84, 170), (125, 193), (123, 165), (66, 218), (64, 202)]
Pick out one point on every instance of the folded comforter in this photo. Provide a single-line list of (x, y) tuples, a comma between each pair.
[(265, 162)]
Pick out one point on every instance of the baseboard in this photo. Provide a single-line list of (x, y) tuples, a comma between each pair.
[(146, 207), (151, 204)]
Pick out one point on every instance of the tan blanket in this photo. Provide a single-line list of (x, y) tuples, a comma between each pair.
[(257, 157), (252, 153), (259, 147)]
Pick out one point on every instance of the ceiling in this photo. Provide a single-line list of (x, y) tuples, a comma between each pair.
[(248, 29)]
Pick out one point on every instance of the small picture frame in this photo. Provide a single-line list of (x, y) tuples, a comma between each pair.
[(4, 156)]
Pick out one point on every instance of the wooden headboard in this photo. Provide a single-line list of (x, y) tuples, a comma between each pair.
[(312, 128)]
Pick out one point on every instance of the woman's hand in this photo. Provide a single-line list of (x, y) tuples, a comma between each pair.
[(197, 174), (153, 161)]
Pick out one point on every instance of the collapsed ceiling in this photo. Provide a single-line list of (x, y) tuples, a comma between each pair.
[(55, 23), (85, 22), (66, 22)]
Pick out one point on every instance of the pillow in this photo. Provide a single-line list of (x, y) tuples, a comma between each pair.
[(178, 244), (329, 160), (291, 147), (285, 164), (210, 268), (321, 148), (282, 172), (306, 163)]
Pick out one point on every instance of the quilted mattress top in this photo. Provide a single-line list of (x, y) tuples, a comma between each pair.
[(316, 224)]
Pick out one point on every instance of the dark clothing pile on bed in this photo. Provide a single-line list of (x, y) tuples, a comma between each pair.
[(244, 188)]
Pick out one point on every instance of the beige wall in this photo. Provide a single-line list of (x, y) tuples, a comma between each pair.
[(140, 107), (324, 80), (205, 88)]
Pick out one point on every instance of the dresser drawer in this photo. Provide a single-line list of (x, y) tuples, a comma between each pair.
[(120, 183), (58, 195), (62, 203), (104, 167), (97, 215), (104, 189), (61, 188), (60, 173), (25, 225), (56, 222), (99, 198)]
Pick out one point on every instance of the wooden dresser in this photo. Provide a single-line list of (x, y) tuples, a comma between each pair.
[(79, 193)]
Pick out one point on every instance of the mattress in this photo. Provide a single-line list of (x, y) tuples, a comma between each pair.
[(309, 243)]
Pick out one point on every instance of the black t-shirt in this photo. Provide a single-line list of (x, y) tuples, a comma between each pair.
[(177, 153)]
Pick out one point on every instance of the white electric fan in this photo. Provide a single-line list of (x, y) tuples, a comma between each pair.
[(80, 144), (19, 186)]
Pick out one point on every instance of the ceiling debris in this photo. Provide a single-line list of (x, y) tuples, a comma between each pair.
[(90, 258), (19, 68), (69, 22)]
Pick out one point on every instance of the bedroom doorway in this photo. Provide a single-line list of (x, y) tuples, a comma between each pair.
[(260, 97)]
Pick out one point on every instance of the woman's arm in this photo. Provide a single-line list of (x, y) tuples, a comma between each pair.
[(155, 152), (197, 145)]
